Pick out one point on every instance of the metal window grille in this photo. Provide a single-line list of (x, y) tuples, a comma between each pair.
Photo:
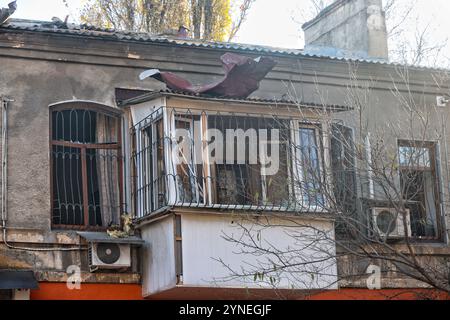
[(86, 168)]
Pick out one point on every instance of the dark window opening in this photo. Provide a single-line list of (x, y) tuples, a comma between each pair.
[(420, 188), (344, 176), (239, 179), (189, 170), (86, 165), (150, 170)]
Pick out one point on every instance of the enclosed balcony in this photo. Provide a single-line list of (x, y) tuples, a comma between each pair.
[(229, 161)]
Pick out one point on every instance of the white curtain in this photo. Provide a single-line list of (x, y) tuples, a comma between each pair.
[(107, 170)]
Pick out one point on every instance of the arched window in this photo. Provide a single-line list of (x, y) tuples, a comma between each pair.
[(86, 165)]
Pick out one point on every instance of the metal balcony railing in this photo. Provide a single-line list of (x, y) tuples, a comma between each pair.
[(201, 159)]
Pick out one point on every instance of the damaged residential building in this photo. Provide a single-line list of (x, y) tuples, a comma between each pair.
[(111, 190)]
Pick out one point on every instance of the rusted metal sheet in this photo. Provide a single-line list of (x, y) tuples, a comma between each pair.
[(242, 77)]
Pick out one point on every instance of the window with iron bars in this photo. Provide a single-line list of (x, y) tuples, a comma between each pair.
[(86, 166), (208, 159)]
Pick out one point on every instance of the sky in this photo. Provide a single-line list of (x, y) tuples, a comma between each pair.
[(270, 22)]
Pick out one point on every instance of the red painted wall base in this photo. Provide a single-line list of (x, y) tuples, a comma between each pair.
[(59, 291), (88, 291)]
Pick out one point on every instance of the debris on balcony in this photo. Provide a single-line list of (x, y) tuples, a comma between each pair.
[(124, 231), (242, 77)]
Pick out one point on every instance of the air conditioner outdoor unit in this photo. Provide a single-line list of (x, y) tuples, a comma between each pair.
[(389, 224), (109, 255)]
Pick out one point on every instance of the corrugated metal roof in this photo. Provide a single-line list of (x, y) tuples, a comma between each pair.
[(87, 30), (91, 31)]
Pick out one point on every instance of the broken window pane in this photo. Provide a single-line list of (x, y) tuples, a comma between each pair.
[(190, 186)]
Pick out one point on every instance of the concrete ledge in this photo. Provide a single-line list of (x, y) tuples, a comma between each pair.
[(387, 283), (36, 236), (87, 277)]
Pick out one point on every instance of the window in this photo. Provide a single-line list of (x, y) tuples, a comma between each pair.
[(307, 156), (244, 173), (420, 188), (149, 168), (85, 166), (342, 153), (343, 168), (190, 184)]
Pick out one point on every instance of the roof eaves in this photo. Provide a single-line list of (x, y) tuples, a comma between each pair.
[(141, 37)]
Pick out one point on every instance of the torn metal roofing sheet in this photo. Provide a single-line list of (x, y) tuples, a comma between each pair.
[(242, 77), (5, 13), (118, 35)]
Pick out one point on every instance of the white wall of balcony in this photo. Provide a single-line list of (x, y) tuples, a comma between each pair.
[(204, 243)]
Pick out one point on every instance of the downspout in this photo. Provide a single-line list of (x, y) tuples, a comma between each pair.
[(4, 196), (4, 210)]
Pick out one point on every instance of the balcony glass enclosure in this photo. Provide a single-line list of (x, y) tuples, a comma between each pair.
[(196, 158)]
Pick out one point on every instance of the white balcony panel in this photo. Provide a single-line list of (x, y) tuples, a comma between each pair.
[(204, 244), (158, 257)]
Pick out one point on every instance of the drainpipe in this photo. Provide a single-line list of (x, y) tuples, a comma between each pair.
[(4, 196), (4, 210)]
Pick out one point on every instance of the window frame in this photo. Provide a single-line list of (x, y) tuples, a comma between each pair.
[(194, 136), (97, 108), (433, 147), (211, 189), (171, 114), (317, 126), (352, 162)]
